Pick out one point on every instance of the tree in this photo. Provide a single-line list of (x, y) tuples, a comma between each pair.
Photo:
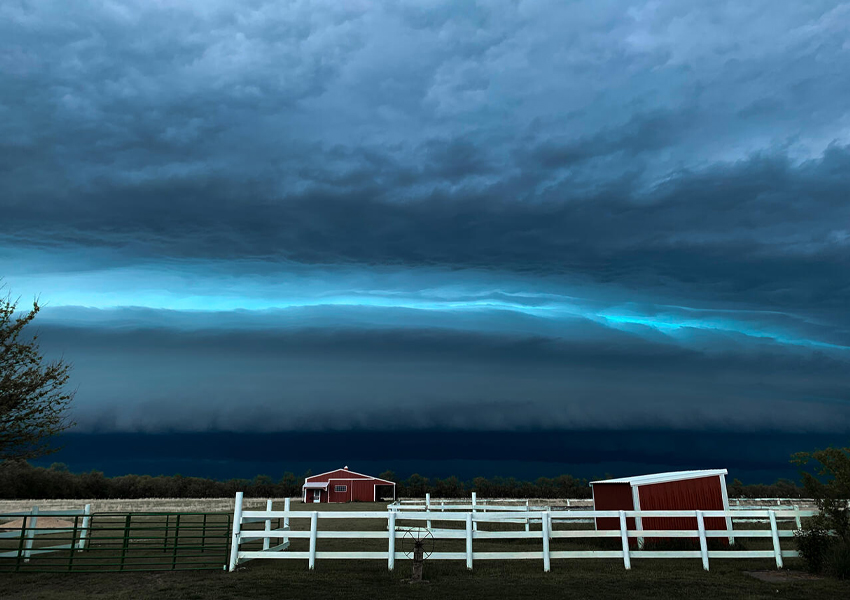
[(829, 486), (33, 398), (824, 541)]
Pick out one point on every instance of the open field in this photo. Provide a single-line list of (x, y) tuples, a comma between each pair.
[(137, 505)]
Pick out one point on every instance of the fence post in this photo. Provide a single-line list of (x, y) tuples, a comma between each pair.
[(703, 543), (237, 531), (624, 535), (777, 550), (204, 534), (469, 541), (391, 551), (24, 520), (268, 541), (73, 542), (126, 543), (314, 529), (85, 527), (474, 524), (527, 522), (546, 533), (165, 535), (31, 533), (176, 543), (428, 508), (797, 517), (286, 504)]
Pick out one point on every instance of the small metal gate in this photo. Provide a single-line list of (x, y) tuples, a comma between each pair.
[(114, 541)]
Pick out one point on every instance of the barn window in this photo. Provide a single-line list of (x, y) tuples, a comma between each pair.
[(340, 488)]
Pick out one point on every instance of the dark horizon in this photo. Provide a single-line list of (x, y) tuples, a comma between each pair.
[(754, 458)]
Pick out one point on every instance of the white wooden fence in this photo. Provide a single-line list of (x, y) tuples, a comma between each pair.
[(389, 530), (241, 517), (557, 503), (29, 530), (802, 508)]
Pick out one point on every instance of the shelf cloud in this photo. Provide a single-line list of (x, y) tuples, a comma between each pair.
[(359, 215)]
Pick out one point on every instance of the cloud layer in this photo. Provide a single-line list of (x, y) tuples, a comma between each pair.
[(624, 214)]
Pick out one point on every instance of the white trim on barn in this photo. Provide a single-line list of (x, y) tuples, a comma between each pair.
[(726, 506), (347, 471), (638, 518), (664, 477)]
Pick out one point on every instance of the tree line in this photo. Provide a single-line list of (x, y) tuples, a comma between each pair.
[(21, 480)]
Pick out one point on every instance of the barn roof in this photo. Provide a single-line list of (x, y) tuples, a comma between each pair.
[(349, 473), (664, 477)]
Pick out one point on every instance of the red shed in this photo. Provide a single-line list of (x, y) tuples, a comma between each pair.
[(679, 490), (343, 485)]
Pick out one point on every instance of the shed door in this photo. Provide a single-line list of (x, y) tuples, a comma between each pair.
[(317, 495)]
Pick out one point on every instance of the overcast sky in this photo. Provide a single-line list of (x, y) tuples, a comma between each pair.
[(498, 215)]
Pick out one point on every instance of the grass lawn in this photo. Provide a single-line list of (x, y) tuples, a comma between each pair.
[(370, 580)]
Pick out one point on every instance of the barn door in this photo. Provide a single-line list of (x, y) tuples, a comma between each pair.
[(317, 495)]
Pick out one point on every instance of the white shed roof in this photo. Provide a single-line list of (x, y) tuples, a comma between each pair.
[(316, 485), (664, 477)]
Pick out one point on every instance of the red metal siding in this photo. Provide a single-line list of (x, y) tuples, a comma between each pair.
[(704, 493), (334, 496), (363, 491), (612, 496)]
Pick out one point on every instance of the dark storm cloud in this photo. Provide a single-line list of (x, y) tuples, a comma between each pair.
[(253, 132), (761, 231), (646, 201), (353, 379)]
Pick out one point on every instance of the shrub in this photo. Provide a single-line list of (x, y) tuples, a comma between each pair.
[(838, 560), (824, 543), (814, 543)]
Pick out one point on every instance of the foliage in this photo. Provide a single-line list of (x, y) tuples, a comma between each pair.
[(782, 488), (19, 480), (829, 485), (33, 401), (813, 543), (838, 560), (824, 543)]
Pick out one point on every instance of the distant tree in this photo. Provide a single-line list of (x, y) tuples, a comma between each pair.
[(450, 487), (288, 485), (388, 476), (33, 399), (414, 486)]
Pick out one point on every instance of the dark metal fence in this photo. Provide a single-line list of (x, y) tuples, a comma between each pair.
[(114, 541)]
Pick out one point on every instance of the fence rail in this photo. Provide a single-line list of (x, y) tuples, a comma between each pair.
[(802, 508), (460, 527)]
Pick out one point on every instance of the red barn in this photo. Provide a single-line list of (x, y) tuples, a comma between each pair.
[(679, 490), (343, 485)]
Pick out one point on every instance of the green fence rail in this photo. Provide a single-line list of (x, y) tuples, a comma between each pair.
[(71, 541)]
